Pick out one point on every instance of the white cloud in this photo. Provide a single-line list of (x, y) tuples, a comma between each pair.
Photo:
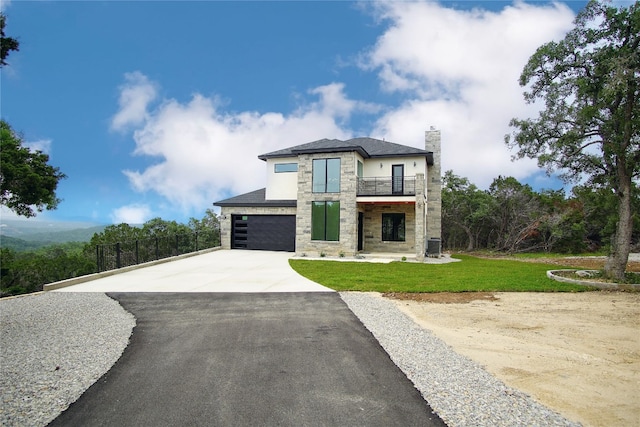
[(458, 70), (131, 214), (135, 95), (333, 102), (6, 213), (205, 153), (43, 145)]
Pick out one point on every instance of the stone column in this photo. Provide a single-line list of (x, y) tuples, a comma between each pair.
[(225, 228), (434, 187), (420, 219)]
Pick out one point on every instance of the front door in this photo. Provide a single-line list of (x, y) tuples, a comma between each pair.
[(360, 231), (397, 179)]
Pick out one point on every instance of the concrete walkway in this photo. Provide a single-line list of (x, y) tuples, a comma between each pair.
[(218, 271)]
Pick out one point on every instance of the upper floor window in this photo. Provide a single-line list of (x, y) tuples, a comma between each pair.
[(397, 179), (360, 170), (285, 167), (326, 175)]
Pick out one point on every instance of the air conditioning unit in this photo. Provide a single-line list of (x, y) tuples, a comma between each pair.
[(433, 248)]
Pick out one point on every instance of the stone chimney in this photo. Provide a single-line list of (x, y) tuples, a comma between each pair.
[(434, 197)]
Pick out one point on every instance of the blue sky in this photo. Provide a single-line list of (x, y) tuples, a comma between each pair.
[(158, 109)]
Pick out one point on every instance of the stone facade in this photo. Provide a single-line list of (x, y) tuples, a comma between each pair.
[(420, 226), (434, 187), (373, 227), (347, 245), (227, 212)]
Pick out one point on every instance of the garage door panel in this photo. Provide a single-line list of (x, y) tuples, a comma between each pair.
[(264, 232)]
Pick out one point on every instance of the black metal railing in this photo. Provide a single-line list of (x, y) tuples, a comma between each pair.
[(123, 254), (386, 186)]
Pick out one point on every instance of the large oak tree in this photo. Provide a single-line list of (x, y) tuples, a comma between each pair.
[(7, 44), (27, 182), (590, 124)]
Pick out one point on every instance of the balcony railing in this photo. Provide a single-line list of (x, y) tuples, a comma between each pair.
[(387, 186)]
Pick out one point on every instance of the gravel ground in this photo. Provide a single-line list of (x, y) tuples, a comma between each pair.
[(461, 392), (53, 346)]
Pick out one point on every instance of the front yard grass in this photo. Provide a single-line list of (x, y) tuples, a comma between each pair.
[(471, 275)]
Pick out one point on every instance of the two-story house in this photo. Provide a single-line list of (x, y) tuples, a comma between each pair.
[(338, 197)]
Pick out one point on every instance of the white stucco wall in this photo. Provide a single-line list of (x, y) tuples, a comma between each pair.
[(282, 185), (372, 166)]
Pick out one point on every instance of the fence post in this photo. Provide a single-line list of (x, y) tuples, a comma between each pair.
[(137, 255), (157, 249), (177, 247), (196, 241), (118, 255), (98, 257)]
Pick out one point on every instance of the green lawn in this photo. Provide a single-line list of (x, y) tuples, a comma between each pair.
[(471, 275)]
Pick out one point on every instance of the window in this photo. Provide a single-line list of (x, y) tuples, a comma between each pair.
[(393, 227), (326, 176), (397, 179), (360, 169), (325, 221), (285, 167)]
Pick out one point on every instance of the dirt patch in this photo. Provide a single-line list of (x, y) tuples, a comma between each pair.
[(577, 353), (443, 297)]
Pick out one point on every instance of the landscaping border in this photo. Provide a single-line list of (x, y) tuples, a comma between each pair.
[(600, 285)]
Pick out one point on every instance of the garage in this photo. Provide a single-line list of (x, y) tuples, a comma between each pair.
[(264, 232)]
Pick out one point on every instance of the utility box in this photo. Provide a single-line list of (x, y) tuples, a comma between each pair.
[(433, 248)]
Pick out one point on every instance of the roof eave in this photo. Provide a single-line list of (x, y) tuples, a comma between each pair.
[(345, 149), (267, 203), (264, 157)]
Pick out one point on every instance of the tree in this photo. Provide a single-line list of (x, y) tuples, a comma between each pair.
[(26, 178), (207, 229), (157, 227), (562, 224), (7, 44), (27, 181), (464, 206), (590, 124), (515, 216), (210, 222), (116, 233)]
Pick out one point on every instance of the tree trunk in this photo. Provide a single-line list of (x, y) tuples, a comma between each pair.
[(470, 244), (616, 263)]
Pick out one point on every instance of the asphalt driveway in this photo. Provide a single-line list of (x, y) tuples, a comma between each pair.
[(249, 359)]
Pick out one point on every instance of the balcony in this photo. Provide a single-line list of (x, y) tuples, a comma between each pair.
[(387, 186)]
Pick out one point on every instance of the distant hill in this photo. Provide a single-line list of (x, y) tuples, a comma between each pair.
[(35, 234), (19, 245), (75, 235)]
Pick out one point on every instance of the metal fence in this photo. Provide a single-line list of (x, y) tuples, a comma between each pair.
[(123, 254)]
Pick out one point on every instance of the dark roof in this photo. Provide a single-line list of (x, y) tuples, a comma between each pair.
[(366, 147), (255, 198)]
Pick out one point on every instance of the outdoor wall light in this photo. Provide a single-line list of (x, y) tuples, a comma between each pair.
[(380, 165)]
